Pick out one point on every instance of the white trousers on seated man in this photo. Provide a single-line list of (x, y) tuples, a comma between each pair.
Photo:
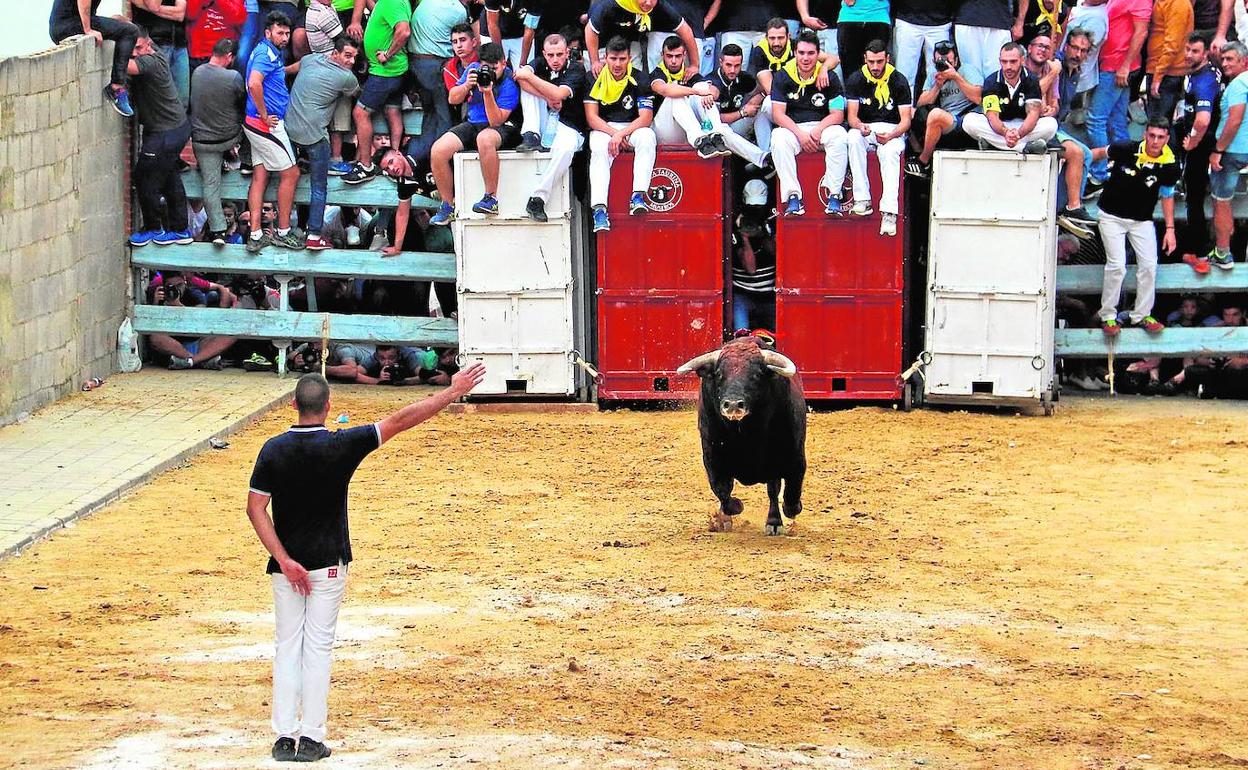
[(644, 144), (563, 147), (784, 151), (305, 638), (976, 126), (679, 121), (889, 154), (763, 126)]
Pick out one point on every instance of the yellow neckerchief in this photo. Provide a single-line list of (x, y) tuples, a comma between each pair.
[(1050, 17), (774, 63), (643, 19), (790, 69), (672, 77), (1142, 156), (607, 89), (881, 83)]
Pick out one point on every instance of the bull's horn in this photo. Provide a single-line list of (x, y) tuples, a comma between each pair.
[(706, 359), (778, 363)]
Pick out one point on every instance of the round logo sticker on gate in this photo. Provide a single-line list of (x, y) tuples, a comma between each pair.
[(665, 190), (847, 192)]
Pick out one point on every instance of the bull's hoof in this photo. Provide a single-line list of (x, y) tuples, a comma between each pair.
[(792, 509), (773, 529), (721, 522), (734, 507)]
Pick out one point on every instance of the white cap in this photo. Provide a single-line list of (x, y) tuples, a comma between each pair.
[(755, 193)]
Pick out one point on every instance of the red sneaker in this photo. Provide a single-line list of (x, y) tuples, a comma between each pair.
[(1110, 327), (1151, 325), (317, 243), (1199, 264)]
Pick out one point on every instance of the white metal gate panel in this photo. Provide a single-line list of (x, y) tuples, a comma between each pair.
[(512, 255), (525, 340), (518, 175), (991, 274)]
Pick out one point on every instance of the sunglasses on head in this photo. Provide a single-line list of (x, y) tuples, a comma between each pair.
[(945, 46)]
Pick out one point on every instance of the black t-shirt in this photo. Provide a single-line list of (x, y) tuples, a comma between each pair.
[(555, 15), (658, 74), (824, 10), (1132, 190), (758, 61), (993, 14), (511, 15), (858, 89), (744, 15), (734, 95), (163, 31), (155, 96), (1010, 106), (573, 76), (928, 13), (64, 11), (624, 110), (306, 472), (1207, 12), (805, 105), (609, 20), (693, 12)]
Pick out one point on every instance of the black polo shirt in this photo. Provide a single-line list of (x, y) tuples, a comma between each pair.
[(745, 15), (608, 19), (808, 104), (993, 14), (758, 60), (658, 74), (927, 13), (624, 110), (825, 10), (859, 89), (1010, 105), (305, 471), (1132, 189), (573, 76), (511, 15), (734, 95)]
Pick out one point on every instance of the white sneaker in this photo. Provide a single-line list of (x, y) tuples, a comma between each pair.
[(353, 235), (862, 209), (888, 224)]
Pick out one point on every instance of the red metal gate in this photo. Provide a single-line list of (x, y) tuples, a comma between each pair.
[(661, 278), (840, 294)]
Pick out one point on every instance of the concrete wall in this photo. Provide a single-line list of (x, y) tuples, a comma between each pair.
[(63, 210)]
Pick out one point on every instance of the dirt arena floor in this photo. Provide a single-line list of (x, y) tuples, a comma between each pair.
[(962, 591)]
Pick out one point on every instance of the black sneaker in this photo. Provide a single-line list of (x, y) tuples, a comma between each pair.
[(1077, 222), (244, 169), (529, 142), (536, 209), (311, 751), (359, 174), (916, 168), (706, 148), (1092, 189), (721, 146), (284, 749), (217, 237)]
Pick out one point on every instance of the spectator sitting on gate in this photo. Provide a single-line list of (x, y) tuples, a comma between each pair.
[(877, 108), (1230, 150), (323, 80), (186, 352), (675, 91), (465, 44), (385, 46), (807, 118), (1071, 215), (937, 121), (771, 55), (1012, 103), (738, 96), (265, 128), (619, 110), (1041, 66), (165, 132), (552, 100), (492, 96), (217, 95), (76, 17)]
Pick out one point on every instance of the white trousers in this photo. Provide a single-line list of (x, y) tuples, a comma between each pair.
[(644, 146), (763, 125), (889, 154), (1115, 231), (305, 638), (511, 48), (976, 126), (784, 151), (676, 123), (979, 50), (736, 140), (912, 41), (566, 143)]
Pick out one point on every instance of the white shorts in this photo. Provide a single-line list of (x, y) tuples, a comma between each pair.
[(270, 149)]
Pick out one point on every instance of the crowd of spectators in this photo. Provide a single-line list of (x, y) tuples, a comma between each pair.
[(294, 88)]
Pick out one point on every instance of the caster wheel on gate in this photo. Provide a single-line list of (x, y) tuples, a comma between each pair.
[(907, 397)]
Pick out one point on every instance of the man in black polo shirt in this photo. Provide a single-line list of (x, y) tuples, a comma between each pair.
[(877, 108), (305, 473), (1011, 118), (681, 100), (1138, 175), (770, 55), (738, 99), (413, 177), (628, 19), (552, 97)]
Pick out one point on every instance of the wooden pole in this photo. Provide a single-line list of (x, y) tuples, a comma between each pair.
[(324, 343)]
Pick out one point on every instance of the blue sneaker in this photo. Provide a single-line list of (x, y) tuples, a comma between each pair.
[(144, 237), (339, 168), (1222, 261), (487, 205), (793, 206), (833, 209), (170, 237), (120, 100), (601, 223), (637, 204), (444, 214)]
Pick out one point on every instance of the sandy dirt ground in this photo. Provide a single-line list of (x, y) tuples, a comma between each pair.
[(962, 591)]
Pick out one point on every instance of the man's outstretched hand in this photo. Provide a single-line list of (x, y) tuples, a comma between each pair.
[(466, 379)]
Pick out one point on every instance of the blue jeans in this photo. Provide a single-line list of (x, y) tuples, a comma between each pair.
[(253, 28), (437, 116), (180, 67), (1108, 120), (751, 310), (318, 171)]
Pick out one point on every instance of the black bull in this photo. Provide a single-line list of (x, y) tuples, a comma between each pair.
[(752, 418)]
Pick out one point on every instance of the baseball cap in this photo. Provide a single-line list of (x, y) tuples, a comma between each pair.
[(755, 192)]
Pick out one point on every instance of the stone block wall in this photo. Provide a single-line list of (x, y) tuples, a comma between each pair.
[(64, 275)]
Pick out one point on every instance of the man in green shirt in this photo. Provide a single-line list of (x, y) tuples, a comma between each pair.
[(385, 47)]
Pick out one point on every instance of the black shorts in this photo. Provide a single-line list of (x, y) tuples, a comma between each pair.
[(467, 133)]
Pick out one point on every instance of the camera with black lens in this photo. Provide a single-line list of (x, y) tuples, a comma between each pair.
[(173, 292), (398, 373), (942, 65), (485, 75), (254, 288), (309, 357)]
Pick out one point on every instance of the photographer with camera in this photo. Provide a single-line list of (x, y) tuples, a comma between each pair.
[(491, 95), (392, 365), (938, 114), (188, 352)]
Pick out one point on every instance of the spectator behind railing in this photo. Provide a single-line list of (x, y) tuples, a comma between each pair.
[(165, 22), (385, 45), (217, 95), (440, 32)]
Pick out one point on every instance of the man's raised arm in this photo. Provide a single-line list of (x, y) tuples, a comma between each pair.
[(414, 414)]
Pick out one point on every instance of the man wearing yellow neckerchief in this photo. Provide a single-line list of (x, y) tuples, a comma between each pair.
[(630, 19), (619, 111), (878, 111), (808, 119), (768, 57), (1139, 173), (680, 101)]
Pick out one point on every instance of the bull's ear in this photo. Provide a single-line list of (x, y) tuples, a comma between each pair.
[(702, 366)]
